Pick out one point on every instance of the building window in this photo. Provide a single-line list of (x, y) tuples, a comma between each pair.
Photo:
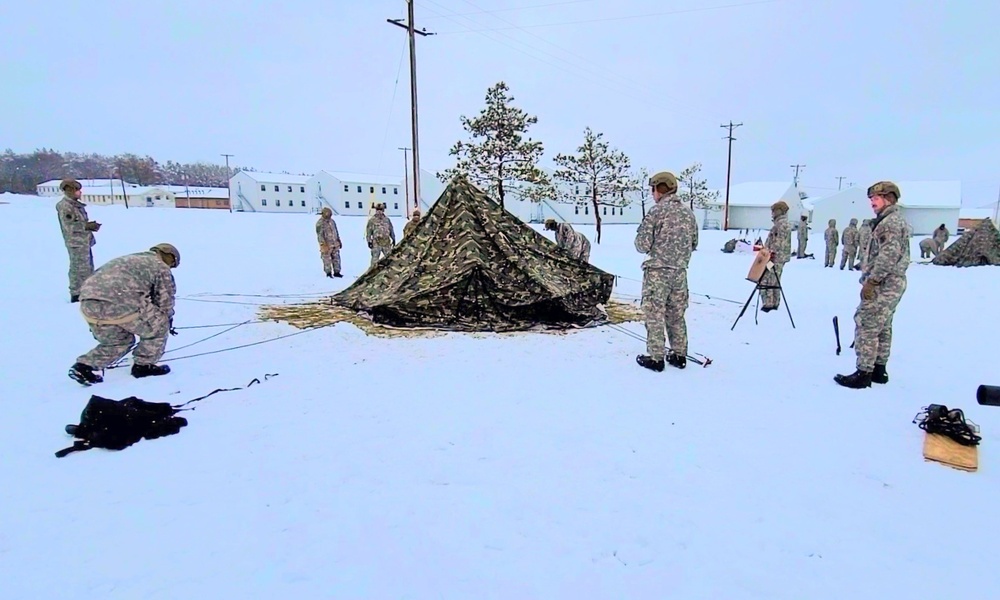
[(276, 189), (263, 188), (263, 202), (359, 205), (302, 189), (576, 209), (395, 191), (371, 190), (606, 210), (303, 203), (395, 205), (277, 202), (586, 210), (289, 188), (383, 190), (347, 188)]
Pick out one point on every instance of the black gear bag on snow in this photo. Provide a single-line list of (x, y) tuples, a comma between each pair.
[(117, 424)]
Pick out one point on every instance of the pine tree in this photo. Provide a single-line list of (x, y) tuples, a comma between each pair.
[(694, 190), (604, 172), (497, 157)]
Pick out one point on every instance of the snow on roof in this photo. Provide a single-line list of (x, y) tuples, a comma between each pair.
[(364, 178), (91, 183), (277, 177), (930, 194), (754, 193), (196, 191), (975, 213)]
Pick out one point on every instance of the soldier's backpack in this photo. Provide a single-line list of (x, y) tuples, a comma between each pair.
[(118, 424)]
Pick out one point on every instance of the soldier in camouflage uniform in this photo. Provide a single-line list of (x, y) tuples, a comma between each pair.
[(850, 241), (379, 234), (78, 235), (329, 242), (883, 282), (832, 238), (668, 234), (129, 296), (864, 241), (940, 236), (779, 243), (802, 236), (412, 223), (570, 240), (929, 247)]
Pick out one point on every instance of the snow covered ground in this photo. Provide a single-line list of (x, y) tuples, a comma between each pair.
[(483, 466)]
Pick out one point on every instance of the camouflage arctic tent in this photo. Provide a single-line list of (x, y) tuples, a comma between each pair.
[(472, 266), (977, 247)]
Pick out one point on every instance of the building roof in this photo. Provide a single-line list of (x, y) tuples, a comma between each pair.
[(277, 177), (368, 178), (975, 213), (754, 193), (91, 183), (930, 194)]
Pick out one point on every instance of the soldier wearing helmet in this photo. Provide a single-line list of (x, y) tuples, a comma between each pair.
[(129, 296), (883, 279), (668, 235), (779, 243), (379, 234), (329, 242), (850, 240), (412, 223), (570, 240), (78, 235), (832, 238)]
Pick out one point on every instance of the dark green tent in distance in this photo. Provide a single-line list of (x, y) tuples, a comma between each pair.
[(977, 247), (472, 266)]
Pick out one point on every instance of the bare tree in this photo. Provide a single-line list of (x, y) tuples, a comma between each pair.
[(693, 189)]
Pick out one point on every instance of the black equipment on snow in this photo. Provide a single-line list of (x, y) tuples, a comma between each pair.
[(117, 424), (988, 395), (836, 332), (939, 419)]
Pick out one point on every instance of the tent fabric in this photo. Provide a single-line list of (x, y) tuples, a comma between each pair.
[(977, 247), (470, 265)]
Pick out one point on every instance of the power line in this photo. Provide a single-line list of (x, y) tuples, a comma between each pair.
[(623, 18), (795, 180), (392, 103), (515, 8)]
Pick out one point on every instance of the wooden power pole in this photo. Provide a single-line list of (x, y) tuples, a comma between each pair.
[(729, 170)]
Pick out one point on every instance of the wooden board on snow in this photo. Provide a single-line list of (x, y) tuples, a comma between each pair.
[(942, 449)]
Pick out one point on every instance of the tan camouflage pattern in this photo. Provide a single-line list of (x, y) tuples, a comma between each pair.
[(664, 302), (73, 221), (573, 242), (473, 266), (668, 234), (888, 259), (928, 248), (801, 237), (885, 188), (411, 225), (779, 242), (941, 235), (137, 285), (849, 238), (832, 238), (977, 247), (864, 242), (329, 244), (380, 235)]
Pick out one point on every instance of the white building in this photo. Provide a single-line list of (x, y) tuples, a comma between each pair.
[(91, 187), (925, 205), (107, 192), (575, 206), (750, 205), (254, 191)]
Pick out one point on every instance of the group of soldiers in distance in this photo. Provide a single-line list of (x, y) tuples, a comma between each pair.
[(855, 239), (133, 295)]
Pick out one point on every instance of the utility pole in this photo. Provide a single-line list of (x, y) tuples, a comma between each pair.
[(229, 192), (729, 170), (840, 180), (796, 179), (406, 180), (411, 31)]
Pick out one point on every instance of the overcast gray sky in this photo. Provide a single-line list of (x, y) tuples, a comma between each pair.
[(866, 89)]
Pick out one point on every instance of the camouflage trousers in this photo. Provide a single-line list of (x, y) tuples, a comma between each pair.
[(803, 242), (380, 250), (848, 257), (831, 255), (81, 266), (664, 301), (331, 259), (771, 296), (873, 324), (114, 340)]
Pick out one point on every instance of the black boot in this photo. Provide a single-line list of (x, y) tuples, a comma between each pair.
[(149, 370), (330, 276), (649, 363), (84, 374), (856, 380), (879, 375), (677, 360), (74, 299), (337, 274)]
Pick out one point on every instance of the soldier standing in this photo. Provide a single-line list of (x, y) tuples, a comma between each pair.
[(850, 241), (779, 242), (379, 233), (832, 238), (940, 236), (668, 234), (412, 223), (883, 281), (78, 235), (329, 242), (864, 241), (802, 236), (570, 240), (129, 296)]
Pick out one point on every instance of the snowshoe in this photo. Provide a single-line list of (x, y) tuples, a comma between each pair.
[(856, 380), (84, 374), (149, 370), (649, 363)]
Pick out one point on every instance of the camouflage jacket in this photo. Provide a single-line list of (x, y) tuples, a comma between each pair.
[(779, 240), (326, 233), (889, 249), (941, 236), (668, 234), (73, 221), (864, 236), (831, 236), (410, 226), (850, 236), (569, 239), (131, 283), (379, 230)]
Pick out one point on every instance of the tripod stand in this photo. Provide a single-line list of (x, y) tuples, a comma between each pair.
[(763, 286)]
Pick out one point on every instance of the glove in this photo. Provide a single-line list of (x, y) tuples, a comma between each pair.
[(92, 226), (868, 290), (369, 245), (170, 328), (173, 331)]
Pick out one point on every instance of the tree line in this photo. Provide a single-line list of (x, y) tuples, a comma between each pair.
[(21, 173), (501, 158)]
